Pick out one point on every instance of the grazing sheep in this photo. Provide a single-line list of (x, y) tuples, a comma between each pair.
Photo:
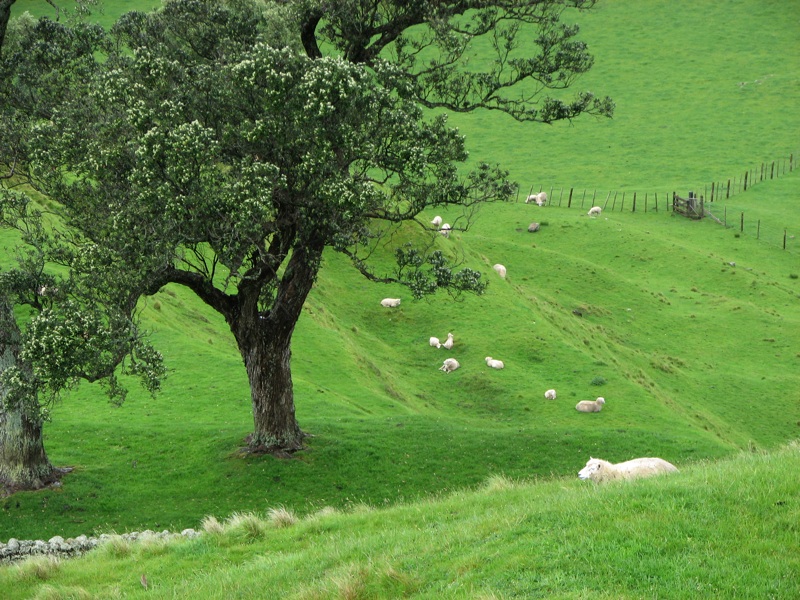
[(450, 364), (550, 395), (501, 270), (448, 343), (594, 211), (435, 342), (600, 470), (588, 406), (533, 227), (540, 199), (495, 364), (437, 221), (445, 230), (390, 302)]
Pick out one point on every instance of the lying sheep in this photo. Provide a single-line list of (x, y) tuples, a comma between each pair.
[(595, 211), (495, 364), (390, 302), (588, 406), (445, 230), (501, 270), (434, 341), (550, 395), (448, 343), (450, 364), (437, 221), (600, 470)]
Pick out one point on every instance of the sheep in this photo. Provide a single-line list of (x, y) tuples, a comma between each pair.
[(595, 211), (588, 406), (445, 230), (495, 364), (501, 270), (531, 198), (448, 343), (541, 198), (434, 341), (600, 470), (437, 221), (390, 302), (550, 395), (449, 365)]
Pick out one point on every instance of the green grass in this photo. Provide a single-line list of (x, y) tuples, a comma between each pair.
[(699, 358), (726, 529)]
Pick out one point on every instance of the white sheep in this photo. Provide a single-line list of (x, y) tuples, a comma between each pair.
[(541, 198), (445, 230), (434, 341), (448, 343), (390, 302), (588, 406), (450, 364), (501, 270), (600, 470), (437, 221), (531, 198), (595, 211), (495, 364), (550, 395)]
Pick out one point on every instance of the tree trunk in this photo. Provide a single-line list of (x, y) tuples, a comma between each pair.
[(264, 341), (269, 370), (23, 461)]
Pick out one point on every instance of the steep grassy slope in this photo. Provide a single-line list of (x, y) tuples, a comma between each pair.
[(696, 357), (722, 530)]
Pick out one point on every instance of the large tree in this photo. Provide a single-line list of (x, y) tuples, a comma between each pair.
[(56, 328), (214, 145)]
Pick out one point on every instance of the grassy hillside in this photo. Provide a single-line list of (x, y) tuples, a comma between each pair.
[(716, 530), (697, 357)]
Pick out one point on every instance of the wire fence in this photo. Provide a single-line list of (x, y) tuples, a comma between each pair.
[(716, 191)]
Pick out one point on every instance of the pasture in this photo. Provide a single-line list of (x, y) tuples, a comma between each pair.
[(691, 331)]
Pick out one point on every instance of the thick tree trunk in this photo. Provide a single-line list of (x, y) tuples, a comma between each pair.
[(264, 341), (269, 370), (23, 461)]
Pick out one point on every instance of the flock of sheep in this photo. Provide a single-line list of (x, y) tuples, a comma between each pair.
[(596, 469)]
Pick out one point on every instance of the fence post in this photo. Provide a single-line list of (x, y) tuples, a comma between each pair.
[(622, 206), (772, 170), (741, 226), (569, 202), (728, 193), (656, 195), (584, 197), (712, 191), (607, 197), (614, 202), (645, 202), (745, 180)]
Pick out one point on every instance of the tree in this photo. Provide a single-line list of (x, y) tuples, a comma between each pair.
[(211, 148), (73, 331)]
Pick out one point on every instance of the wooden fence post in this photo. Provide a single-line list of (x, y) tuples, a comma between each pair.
[(569, 202), (712, 191), (614, 202), (772, 170), (584, 197), (741, 226), (745, 180), (728, 193), (607, 197)]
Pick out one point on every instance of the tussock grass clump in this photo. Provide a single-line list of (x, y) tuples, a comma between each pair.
[(49, 592), (248, 525), (39, 568), (281, 517), (116, 546), (212, 526)]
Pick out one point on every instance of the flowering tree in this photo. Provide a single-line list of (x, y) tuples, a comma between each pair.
[(214, 146)]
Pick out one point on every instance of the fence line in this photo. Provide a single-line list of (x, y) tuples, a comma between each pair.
[(715, 191)]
